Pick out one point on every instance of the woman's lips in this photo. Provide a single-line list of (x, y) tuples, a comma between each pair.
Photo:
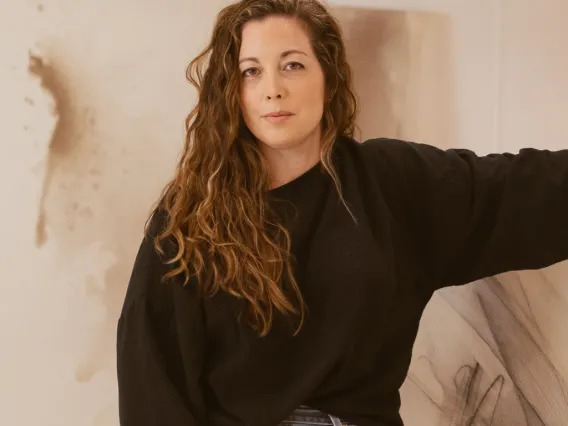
[(278, 117)]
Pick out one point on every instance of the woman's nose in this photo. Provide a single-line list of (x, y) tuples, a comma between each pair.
[(273, 87)]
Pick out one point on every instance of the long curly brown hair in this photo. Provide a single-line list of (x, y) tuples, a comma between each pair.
[(224, 230)]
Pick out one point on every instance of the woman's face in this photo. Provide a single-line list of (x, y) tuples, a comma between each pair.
[(280, 74)]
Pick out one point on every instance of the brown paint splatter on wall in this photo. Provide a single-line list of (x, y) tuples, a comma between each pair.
[(54, 82), (60, 144), (41, 235)]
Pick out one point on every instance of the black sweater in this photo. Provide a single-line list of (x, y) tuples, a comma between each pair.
[(426, 219)]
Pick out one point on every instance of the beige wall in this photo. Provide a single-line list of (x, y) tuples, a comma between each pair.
[(90, 131)]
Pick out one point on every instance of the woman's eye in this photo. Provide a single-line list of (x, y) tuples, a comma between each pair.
[(294, 65), (250, 72)]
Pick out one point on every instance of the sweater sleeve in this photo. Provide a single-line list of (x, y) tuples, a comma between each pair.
[(159, 348), (474, 216)]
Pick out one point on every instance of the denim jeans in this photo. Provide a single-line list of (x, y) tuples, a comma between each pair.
[(305, 416)]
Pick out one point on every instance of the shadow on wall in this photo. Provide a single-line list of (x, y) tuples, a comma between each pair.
[(402, 73)]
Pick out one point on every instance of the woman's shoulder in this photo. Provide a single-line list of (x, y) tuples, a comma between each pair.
[(389, 147), (383, 152), (378, 146), (395, 156)]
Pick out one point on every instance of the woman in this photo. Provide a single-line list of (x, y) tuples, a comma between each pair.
[(286, 265)]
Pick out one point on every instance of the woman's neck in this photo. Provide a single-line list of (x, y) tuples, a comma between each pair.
[(286, 164)]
